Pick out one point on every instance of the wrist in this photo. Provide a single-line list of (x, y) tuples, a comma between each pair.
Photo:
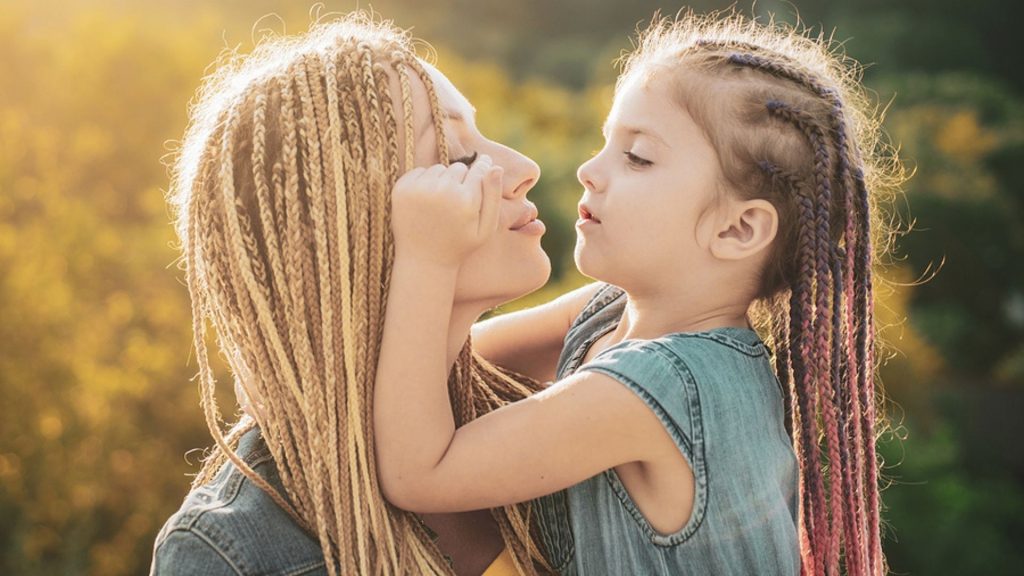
[(424, 272), (428, 266)]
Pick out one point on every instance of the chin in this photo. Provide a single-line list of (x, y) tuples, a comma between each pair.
[(540, 273), (502, 281), (590, 264), (529, 275), (585, 261)]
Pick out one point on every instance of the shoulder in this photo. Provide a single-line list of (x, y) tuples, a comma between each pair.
[(189, 552), (677, 373), (682, 354), (230, 526), (723, 341), (653, 372), (641, 363)]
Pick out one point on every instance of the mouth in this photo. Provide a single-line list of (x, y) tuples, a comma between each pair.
[(528, 217), (586, 215)]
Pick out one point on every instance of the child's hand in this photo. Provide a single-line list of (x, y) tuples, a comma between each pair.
[(442, 213)]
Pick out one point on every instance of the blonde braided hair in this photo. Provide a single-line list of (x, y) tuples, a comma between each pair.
[(281, 197)]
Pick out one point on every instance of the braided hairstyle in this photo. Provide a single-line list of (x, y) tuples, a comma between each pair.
[(789, 123), (281, 192)]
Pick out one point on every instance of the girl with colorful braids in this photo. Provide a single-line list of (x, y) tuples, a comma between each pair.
[(281, 193), (714, 410)]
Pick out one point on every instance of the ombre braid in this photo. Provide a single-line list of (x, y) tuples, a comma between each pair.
[(282, 202), (789, 123)]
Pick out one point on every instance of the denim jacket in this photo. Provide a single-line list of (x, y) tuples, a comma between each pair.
[(717, 396), (231, 527)]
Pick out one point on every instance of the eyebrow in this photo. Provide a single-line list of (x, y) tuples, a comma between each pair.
[(635, 131), (446, 113)]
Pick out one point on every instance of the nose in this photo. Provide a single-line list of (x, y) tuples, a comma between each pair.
[(520, 172), (587, 173)]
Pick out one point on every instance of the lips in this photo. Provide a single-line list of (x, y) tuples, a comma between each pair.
[(528, 215), (586, 214)]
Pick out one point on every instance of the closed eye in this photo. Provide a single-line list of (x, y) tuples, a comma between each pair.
[(467, 160), (636, 160)]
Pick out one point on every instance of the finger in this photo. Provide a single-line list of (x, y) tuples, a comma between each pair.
[(491, 200), (435, 171), (455, 173), (472, 185), (474, 176)]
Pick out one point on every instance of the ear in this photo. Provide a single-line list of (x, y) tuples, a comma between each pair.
[(748, 228)]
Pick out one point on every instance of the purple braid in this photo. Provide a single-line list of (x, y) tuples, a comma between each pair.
[(801, 332), (853, 519), (857, 293), (821, 356), (864, 310)]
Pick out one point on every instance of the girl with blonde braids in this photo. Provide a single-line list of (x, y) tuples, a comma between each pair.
[(738, 188), (281, 194)]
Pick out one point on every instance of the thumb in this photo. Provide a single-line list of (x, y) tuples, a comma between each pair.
[(490, 200)]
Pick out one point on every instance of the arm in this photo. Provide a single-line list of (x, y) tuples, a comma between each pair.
[(579, 427), (524, 450), (530, 341)]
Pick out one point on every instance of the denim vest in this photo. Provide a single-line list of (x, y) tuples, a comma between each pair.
[(717, 396), (230, 526)]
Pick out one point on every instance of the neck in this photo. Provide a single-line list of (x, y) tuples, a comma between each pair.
[(463, 317), (654, 314)]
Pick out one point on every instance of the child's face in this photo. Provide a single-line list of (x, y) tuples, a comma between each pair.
[(646, 192)]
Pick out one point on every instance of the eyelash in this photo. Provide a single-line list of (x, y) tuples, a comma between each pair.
[(467, 160), (636, 160)]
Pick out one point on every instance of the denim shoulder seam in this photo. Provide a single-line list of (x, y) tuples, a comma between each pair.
[(693, 446), (226, 494), (205, 539), (753, 350), (190, 515)]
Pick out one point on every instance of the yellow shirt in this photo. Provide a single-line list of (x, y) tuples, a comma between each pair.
[(502, 565)]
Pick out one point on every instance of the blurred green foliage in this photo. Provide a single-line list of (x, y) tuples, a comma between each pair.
[(97, 407)]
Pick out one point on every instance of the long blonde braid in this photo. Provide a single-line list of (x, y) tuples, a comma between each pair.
[(281, 196)]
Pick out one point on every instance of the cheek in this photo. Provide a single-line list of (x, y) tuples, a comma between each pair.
[(425, 153)]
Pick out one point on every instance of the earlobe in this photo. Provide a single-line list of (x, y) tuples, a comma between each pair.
[(750, 227)]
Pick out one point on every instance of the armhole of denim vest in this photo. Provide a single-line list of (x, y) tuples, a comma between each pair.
[(605, 294), (692, 449), (582, 333)]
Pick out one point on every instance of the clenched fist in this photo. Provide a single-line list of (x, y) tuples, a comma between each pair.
[(443, 213)]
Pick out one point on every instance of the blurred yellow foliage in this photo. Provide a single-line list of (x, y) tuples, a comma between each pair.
[(962, 136)]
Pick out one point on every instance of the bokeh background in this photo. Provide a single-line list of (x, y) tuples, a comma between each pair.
[(98, 410)]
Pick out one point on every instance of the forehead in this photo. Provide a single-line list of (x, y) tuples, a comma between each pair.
[(453, 107), (448, 96), (644, 104), (637, 96)]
